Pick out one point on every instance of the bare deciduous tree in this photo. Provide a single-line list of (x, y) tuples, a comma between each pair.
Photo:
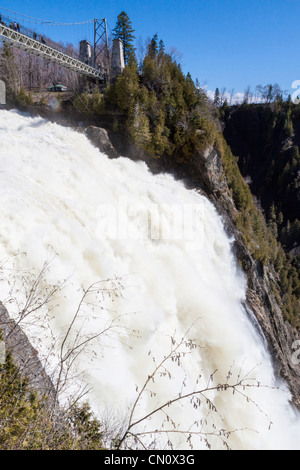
[(136, 432), (206, 429)]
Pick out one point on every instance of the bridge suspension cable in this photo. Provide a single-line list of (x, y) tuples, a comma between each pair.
[(39, 20)]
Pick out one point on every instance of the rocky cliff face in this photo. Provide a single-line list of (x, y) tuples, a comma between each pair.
[(260, 298), (279, 333), (24, 356)]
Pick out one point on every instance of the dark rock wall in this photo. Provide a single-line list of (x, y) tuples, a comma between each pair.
[(24, 355)]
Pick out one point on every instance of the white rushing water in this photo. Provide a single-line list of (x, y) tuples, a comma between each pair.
[(165, 269)]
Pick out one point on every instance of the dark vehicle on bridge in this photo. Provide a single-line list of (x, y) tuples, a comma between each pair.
[(57, 87)]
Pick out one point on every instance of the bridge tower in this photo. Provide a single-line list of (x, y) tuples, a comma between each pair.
[(117, 59), (85, 52), (101, 57)]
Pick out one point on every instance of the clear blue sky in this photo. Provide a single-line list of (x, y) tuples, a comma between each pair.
[(224, 43)]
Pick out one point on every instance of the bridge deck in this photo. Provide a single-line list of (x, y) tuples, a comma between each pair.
[(42, 50)]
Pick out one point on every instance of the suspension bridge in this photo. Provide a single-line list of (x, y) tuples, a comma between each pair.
[(84, 49)]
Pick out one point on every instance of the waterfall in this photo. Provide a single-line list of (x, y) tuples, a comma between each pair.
[(143, 271)]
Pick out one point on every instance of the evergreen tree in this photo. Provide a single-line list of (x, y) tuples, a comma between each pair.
[(217, 100), (153, 46), (124, 31), (161, 49)]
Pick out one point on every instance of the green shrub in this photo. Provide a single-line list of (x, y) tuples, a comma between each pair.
[(29, 422)]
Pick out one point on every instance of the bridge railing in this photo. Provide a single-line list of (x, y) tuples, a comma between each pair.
[(43, 50), (33, 34)]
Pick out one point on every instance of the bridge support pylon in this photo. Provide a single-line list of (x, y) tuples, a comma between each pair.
[(101, 47)]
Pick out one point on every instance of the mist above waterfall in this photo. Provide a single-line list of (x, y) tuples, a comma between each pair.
[(155, 268)]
